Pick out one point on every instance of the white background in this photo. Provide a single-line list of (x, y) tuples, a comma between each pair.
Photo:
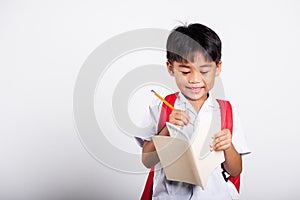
[(43, 45)]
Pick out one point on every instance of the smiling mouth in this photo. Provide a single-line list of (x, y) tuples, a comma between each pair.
[(195, 89)]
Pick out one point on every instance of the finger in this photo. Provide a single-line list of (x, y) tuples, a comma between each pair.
[(180, 116), (221, 145), (217, 135), (225, 133), (222, 138), (184, 119), (186, 115), (179, 123), (176, 122)]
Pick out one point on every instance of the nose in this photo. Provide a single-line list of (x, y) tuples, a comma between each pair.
[(195, 78)]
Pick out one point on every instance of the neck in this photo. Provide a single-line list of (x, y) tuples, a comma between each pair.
[(197, 104)]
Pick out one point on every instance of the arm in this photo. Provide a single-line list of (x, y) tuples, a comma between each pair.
[(149, 154), (233, 160)]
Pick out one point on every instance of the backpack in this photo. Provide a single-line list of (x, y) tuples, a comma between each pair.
[(226, 123)]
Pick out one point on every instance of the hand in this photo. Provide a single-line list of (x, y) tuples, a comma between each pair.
[(222, 141), (179, 118)]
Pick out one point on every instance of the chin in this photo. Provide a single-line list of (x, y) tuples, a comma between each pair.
[(194, 97)]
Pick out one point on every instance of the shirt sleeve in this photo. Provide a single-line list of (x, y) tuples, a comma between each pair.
[(150, 123), (238, 135)]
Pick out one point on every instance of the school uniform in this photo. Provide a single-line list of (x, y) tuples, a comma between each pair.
[(217, 187)]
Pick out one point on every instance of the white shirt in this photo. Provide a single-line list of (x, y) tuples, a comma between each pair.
[(216, 187)]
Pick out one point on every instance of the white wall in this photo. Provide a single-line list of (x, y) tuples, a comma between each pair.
[(43, 45)]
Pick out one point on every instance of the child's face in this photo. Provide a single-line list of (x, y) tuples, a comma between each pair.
[(195, 79)]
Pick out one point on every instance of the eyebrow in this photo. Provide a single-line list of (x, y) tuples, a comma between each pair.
[(184, 66), (206, 65)]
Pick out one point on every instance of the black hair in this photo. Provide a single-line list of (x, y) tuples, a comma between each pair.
[(184, 41)]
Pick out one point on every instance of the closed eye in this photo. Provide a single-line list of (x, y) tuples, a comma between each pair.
[(185, 72)]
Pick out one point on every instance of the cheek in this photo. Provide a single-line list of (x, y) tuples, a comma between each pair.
[(210, 80), (180, 80), (210, 83)]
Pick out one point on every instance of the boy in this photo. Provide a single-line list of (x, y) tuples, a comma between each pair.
[(194, 60)]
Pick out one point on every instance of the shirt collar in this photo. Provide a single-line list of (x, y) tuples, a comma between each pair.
[(208, 104)]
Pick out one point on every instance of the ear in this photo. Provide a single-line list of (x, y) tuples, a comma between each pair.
[(170, 68), (219, 68)]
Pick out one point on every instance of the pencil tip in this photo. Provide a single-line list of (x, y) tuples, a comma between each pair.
[(153, 91)]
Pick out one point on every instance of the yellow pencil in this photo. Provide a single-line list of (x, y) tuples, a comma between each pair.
[(163, 100)]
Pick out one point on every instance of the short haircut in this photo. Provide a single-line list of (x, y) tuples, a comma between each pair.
[(185, 41)]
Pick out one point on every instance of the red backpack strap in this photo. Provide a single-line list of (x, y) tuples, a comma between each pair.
[(166, 111), (148, 189), (164, 117), (227, 123)]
